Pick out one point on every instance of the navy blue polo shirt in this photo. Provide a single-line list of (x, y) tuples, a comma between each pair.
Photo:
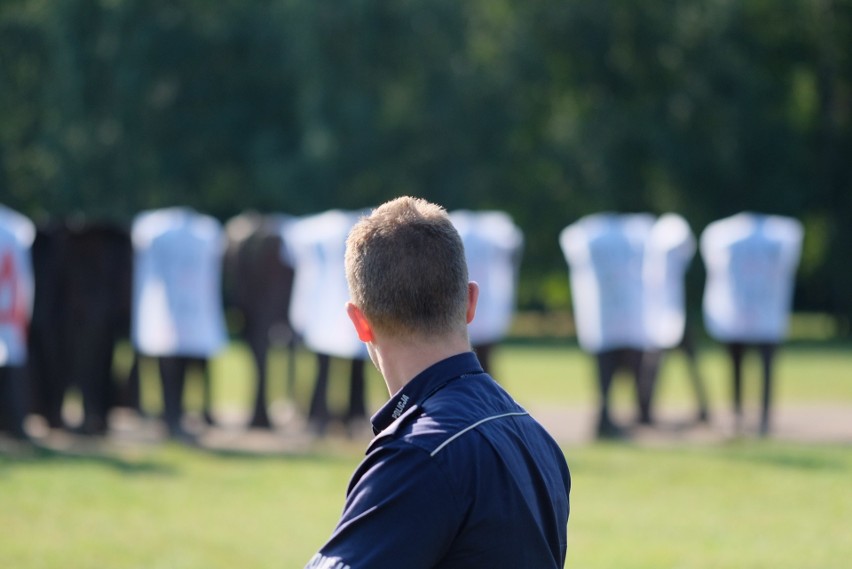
[(458, 476)]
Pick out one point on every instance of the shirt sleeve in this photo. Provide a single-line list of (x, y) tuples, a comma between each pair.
[(400, 511)]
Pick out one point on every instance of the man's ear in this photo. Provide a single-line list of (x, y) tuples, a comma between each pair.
[(362, 326), (472, 298)]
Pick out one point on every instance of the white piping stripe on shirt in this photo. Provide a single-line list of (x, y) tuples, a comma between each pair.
[(473, 426)]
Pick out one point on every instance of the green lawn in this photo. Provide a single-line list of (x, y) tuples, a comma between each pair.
[(745, 503)]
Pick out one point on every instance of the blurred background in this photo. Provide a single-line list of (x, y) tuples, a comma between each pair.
[(548, 110)]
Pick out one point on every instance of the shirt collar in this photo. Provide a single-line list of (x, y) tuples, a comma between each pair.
[(424, 384)]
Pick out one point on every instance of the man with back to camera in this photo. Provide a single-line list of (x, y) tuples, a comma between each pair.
[(458, 475)]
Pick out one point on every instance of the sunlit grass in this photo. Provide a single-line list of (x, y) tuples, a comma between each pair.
[(166, 507), (738, 505), (721, 505), (747, 504)]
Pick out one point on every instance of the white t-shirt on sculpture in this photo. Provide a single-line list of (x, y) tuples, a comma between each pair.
[(17, 234), (177, 298), (317, 244), (492, 244), (751, 262), (605, 254)]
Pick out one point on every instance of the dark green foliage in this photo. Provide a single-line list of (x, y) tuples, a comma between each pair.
[(549, 109)]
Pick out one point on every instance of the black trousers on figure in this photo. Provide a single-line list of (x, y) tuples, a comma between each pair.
[(736, 351), (173, 370), (13, 401), (318, 414), (609, 363), (652, 361)]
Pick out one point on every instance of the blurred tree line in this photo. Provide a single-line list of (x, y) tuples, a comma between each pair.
[(548, 109)]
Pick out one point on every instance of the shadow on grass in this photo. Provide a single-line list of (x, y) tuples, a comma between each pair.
[(275, 456), (162, 458), (799, 457), (605, 458), (35, 453)]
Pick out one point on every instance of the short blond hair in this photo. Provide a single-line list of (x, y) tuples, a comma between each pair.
[(406, 269)]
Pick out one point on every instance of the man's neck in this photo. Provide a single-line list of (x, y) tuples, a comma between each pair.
[(400, 362)]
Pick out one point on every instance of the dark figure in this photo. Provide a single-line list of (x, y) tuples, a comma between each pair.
[(98, 300), (82, 308), (47, 353), (258, 283), (319, 415)]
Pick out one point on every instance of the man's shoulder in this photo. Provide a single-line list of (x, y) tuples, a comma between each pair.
[(419, 429), (449, 413)]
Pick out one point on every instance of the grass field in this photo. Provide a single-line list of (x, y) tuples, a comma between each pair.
[(737, 503)]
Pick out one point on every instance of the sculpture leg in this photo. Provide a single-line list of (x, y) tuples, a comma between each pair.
[(357, 392), (318, 416), (94, 378), (260, 415), (202, 364), (43, 375), (687, 344), (13, 401), (646, 381), (53, 379), (736, 350), (767, 353), (607, 365), (292, 344), (130, 395), (172, 379)]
